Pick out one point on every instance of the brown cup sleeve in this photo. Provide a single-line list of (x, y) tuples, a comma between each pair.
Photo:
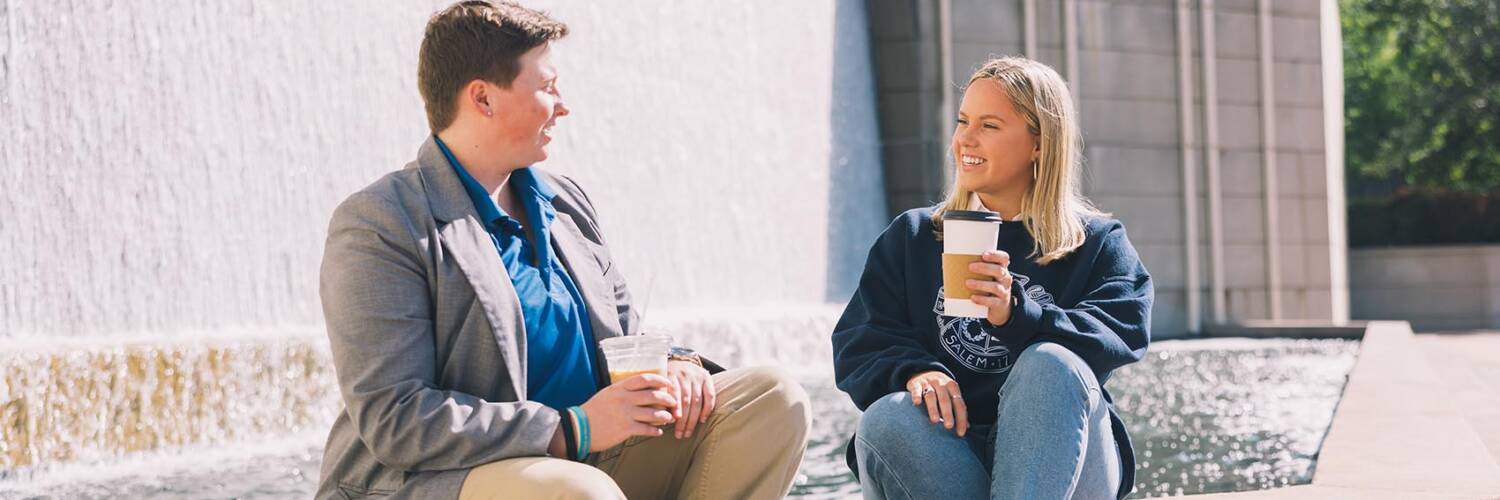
[(956, 272)]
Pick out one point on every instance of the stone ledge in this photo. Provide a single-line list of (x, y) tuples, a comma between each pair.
[(1311, 329)]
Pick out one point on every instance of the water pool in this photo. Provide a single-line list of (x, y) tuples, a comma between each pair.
[(1206, 416)]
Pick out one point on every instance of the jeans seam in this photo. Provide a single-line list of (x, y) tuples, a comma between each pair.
[(874, 453)]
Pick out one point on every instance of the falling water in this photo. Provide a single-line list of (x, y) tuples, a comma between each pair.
[(82, 405)]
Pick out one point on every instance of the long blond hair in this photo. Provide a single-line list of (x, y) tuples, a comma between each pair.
[(1054, 209)]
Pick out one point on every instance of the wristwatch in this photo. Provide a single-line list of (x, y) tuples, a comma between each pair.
[(684, 354)]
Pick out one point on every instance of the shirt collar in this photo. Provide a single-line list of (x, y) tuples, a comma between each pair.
[(524, 180), (976, 204), (527, 182)]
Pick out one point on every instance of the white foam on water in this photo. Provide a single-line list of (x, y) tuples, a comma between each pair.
[(144, 466)]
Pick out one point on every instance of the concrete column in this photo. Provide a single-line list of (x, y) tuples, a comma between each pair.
[(1268, 159), (1028, 27), (1192, 279), (1211, 158), (1333, 147)]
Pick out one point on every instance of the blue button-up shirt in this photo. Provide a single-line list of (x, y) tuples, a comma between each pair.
[(559, 341)]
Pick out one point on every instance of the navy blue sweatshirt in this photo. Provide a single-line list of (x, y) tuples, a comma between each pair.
[(1096, 302)]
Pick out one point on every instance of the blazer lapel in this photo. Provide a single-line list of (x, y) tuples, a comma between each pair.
[(470, 246), (467, 242), (598, 294)]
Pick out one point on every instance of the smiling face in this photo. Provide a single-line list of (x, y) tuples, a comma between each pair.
[(993, 147), (1017, 146), (522, 116)]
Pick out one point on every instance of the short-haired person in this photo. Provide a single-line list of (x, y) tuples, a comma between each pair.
[(1011, 405), (465, 296)]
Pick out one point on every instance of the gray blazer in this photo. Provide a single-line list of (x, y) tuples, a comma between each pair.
[(427, 335)]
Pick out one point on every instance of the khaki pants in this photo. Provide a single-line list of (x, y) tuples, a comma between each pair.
[(749, 448)]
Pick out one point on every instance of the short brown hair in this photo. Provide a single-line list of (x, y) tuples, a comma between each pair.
[(476, 40)]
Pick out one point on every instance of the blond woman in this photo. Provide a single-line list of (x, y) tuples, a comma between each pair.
[(1011, 405)]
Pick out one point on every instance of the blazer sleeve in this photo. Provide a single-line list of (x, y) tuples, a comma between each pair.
[(378, 309)]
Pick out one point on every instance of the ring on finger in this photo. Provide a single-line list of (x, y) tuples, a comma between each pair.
[(958, 397), (926, 391)]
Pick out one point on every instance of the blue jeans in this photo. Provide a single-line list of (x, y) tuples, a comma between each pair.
[(1051, 440)]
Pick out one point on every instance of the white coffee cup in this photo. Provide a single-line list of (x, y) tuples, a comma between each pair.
[(966, 235)]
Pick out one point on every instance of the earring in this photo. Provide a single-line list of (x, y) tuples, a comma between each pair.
[(1033, 169)]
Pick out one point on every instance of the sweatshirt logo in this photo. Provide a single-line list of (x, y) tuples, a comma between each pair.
[(966, 340), (1034, 292)]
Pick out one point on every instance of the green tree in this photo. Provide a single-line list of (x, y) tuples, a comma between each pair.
[(1422, 92)]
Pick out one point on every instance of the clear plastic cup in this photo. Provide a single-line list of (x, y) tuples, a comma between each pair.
[(633, 355)]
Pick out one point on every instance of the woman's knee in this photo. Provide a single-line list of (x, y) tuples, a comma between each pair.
[(892, 419), (1048, 361), (1047, 370)]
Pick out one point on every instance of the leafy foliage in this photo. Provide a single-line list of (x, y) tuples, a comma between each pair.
[(1422, 92)]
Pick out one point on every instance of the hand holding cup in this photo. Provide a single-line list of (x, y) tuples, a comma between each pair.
[(635, 406), (994, 292)]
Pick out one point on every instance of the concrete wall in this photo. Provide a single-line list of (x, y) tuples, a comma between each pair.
[(1434, 288), (1129, 96), (908, 75), (1128, 91), (170, 167)]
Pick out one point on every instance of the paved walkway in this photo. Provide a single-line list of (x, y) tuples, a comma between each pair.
[(1470, 363), (1420, 418)]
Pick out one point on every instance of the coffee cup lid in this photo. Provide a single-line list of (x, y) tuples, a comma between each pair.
[(971, 215)]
